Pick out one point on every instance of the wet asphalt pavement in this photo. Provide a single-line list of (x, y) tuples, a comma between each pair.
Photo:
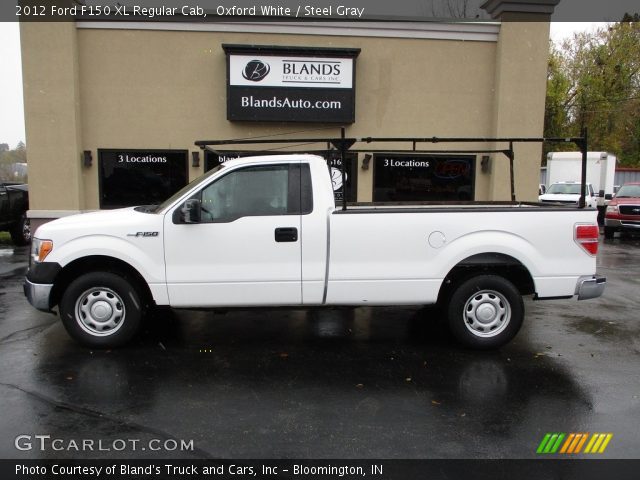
[(336, 383)]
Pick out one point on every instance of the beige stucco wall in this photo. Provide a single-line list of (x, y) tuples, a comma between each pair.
[(52, 109), (521, 82), (166, 89)]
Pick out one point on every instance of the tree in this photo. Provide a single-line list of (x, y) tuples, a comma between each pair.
[(9, 160), (593, 81)]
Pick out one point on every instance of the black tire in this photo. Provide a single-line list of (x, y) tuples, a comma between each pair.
[(101, 309), (609, 232), (21, 231), (485, 312)]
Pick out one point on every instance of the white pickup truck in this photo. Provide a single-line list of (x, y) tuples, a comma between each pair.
[(569, 193), (265, 231)]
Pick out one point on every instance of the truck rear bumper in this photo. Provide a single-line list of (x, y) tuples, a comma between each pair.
[(38, 295), (590, 287)]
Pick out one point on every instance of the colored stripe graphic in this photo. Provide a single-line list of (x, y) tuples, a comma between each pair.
[(574, 443), (550, 443), (565, 447), (598, 443), (543, 443)]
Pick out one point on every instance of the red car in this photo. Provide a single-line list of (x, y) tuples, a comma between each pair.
[(623, 211)]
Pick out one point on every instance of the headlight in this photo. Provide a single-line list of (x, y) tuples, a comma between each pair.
[(40, 249), (612, 209)]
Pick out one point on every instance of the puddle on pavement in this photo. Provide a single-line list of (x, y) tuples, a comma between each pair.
[(598, 327)]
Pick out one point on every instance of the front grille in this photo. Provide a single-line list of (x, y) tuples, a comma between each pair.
[(568, 202), (629, 209)]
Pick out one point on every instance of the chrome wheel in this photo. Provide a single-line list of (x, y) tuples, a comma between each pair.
[(486, 313), (100, 311), (26, 231)]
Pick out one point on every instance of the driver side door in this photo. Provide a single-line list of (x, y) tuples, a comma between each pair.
[(245, 248)]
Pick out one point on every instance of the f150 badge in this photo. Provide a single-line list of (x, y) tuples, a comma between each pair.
[(143, 234)]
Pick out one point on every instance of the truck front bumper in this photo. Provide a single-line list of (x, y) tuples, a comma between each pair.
[(38, 295), (39, 283), (590, 287), (622, 224)]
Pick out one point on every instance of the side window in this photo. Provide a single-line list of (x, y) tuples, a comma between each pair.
[(253, 191)]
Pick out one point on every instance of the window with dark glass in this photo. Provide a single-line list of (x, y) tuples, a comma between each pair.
[(257, 191), (414, 178), (334, 163), (140, 177)]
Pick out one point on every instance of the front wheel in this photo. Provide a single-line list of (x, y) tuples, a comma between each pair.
[(101, 309), (21, 232), (485, 311)]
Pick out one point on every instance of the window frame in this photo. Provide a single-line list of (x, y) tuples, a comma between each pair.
[(299, 172)]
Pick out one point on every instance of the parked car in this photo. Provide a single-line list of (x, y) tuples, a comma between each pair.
[(601, 168), (265, 231), (14, 203), (623, 212), (569, 193)]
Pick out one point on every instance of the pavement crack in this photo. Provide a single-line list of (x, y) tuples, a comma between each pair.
[(42, 326), (103, 416)]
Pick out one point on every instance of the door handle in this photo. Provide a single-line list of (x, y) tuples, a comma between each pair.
[(286, 234)]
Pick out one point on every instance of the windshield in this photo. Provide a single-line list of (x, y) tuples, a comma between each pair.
[(565, 188), (628, 191), (186, 188)]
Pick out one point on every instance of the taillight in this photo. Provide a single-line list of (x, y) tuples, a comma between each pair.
[(587, 237)]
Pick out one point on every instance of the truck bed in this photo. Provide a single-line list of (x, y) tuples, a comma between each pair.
[(398, 207)]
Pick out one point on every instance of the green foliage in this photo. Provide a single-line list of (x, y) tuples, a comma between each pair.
[(8, 160), (593, 81), (5, 238)]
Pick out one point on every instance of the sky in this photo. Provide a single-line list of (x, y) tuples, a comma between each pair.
[(11, 104)]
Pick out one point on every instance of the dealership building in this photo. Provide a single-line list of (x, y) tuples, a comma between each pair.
[(113, 109)]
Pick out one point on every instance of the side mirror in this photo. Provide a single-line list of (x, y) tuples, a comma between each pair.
[(191, 211), (608, 196)]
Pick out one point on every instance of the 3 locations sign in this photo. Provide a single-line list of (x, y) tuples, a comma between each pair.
[(290, 84)]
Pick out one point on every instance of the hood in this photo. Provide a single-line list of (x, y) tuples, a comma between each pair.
[(559, 197), (119, 222), (23, 187), (625, 201)]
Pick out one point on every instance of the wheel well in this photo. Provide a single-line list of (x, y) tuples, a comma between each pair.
[(99, 263), (489, 264)]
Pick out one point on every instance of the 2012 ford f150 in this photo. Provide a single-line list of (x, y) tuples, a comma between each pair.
[(265, 231)]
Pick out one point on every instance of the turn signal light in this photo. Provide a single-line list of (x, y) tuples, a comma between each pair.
[(587, 237), (40, 249)]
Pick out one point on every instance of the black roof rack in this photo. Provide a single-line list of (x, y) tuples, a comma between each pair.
[(343, 144)]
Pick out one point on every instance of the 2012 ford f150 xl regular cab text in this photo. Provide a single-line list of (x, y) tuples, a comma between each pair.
[(265, 231)]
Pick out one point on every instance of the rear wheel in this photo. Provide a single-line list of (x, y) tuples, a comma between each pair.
[(485, 311), (21, 231), (101, 309), (609, 232)]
